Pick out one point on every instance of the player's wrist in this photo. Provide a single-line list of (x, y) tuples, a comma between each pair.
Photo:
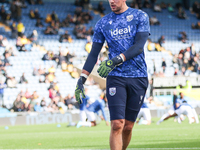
[(83, 77), (118, 60)]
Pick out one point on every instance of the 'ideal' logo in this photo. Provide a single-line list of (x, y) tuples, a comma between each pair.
[(120, 33)]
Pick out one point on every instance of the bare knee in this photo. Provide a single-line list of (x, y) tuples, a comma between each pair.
[(117, 125), (128, 126)]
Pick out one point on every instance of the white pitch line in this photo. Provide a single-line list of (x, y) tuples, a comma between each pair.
[(108, 149)]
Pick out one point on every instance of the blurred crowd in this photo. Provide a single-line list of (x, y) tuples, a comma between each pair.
[(185, 62)]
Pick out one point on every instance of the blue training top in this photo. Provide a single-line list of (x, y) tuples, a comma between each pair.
[(98, 105), (180, 101), (83, 105), (185, 104), (144, 105), (119, 30)]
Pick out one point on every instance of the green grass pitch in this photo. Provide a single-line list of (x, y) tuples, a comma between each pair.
[(167, 135)]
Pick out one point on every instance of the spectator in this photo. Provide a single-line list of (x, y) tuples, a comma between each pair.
[(6, 60), (20, 28), (52, 69), (197, 26), (183, 71), (40, 2), (74, 74), (37, 107), (195, 7), (34, 96), (88, 46), (90, 31), (54, 16), (175, 59), (146, 4), (50, 31), (48, 18), (154, 21), (5, 42), (181, 13), (139, 3), (43, 103), (13, 30), (182, 36), (2, 86), (163, 5), (34, 37), (11, 82), (37, 14), (134, 5), (1, 40), (35, 72), (170, 8), (31, 105), (161, 40), (61, 58), (100, 7), (150, 45), (85, 4), (185, 63), (39, 23), (69, 101), (47, 56), (31, 2), (13, 10), (8, 20), (2, 68), (23, 79), (163, 65), (67, 21), (157, 8), (62, 107), (3, 14), (195, 65), (18, 12), (32, 14), (176, 70), (18, 105), (77, 3), (27, 94), (65, 37), (180, 60)]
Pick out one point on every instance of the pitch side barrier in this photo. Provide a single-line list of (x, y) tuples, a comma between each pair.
[(34, 118), (160, 82)]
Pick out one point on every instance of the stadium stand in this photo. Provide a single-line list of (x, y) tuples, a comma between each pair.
[(25, 62)]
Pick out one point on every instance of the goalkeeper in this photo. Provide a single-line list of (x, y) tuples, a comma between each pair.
[(126, 31)]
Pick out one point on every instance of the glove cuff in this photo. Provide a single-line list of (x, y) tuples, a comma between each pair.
[(118, 60)]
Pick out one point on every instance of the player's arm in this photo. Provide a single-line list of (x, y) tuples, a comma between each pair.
[(107, 66), (87, 69)]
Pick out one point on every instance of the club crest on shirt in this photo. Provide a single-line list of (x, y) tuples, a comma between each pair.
[(129, 18), (112, 91)]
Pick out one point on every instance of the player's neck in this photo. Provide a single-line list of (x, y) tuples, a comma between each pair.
[(123, 9)]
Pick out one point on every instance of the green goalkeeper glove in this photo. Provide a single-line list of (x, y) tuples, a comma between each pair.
[(108, 65), (80, 91)]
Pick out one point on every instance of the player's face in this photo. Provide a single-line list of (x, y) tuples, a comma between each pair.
[(116, 5)]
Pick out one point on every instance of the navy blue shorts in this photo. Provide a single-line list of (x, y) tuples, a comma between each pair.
[(125, 96)]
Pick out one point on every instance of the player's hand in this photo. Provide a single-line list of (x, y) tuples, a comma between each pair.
[(80, 91), (107, 123), (105, 68)]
